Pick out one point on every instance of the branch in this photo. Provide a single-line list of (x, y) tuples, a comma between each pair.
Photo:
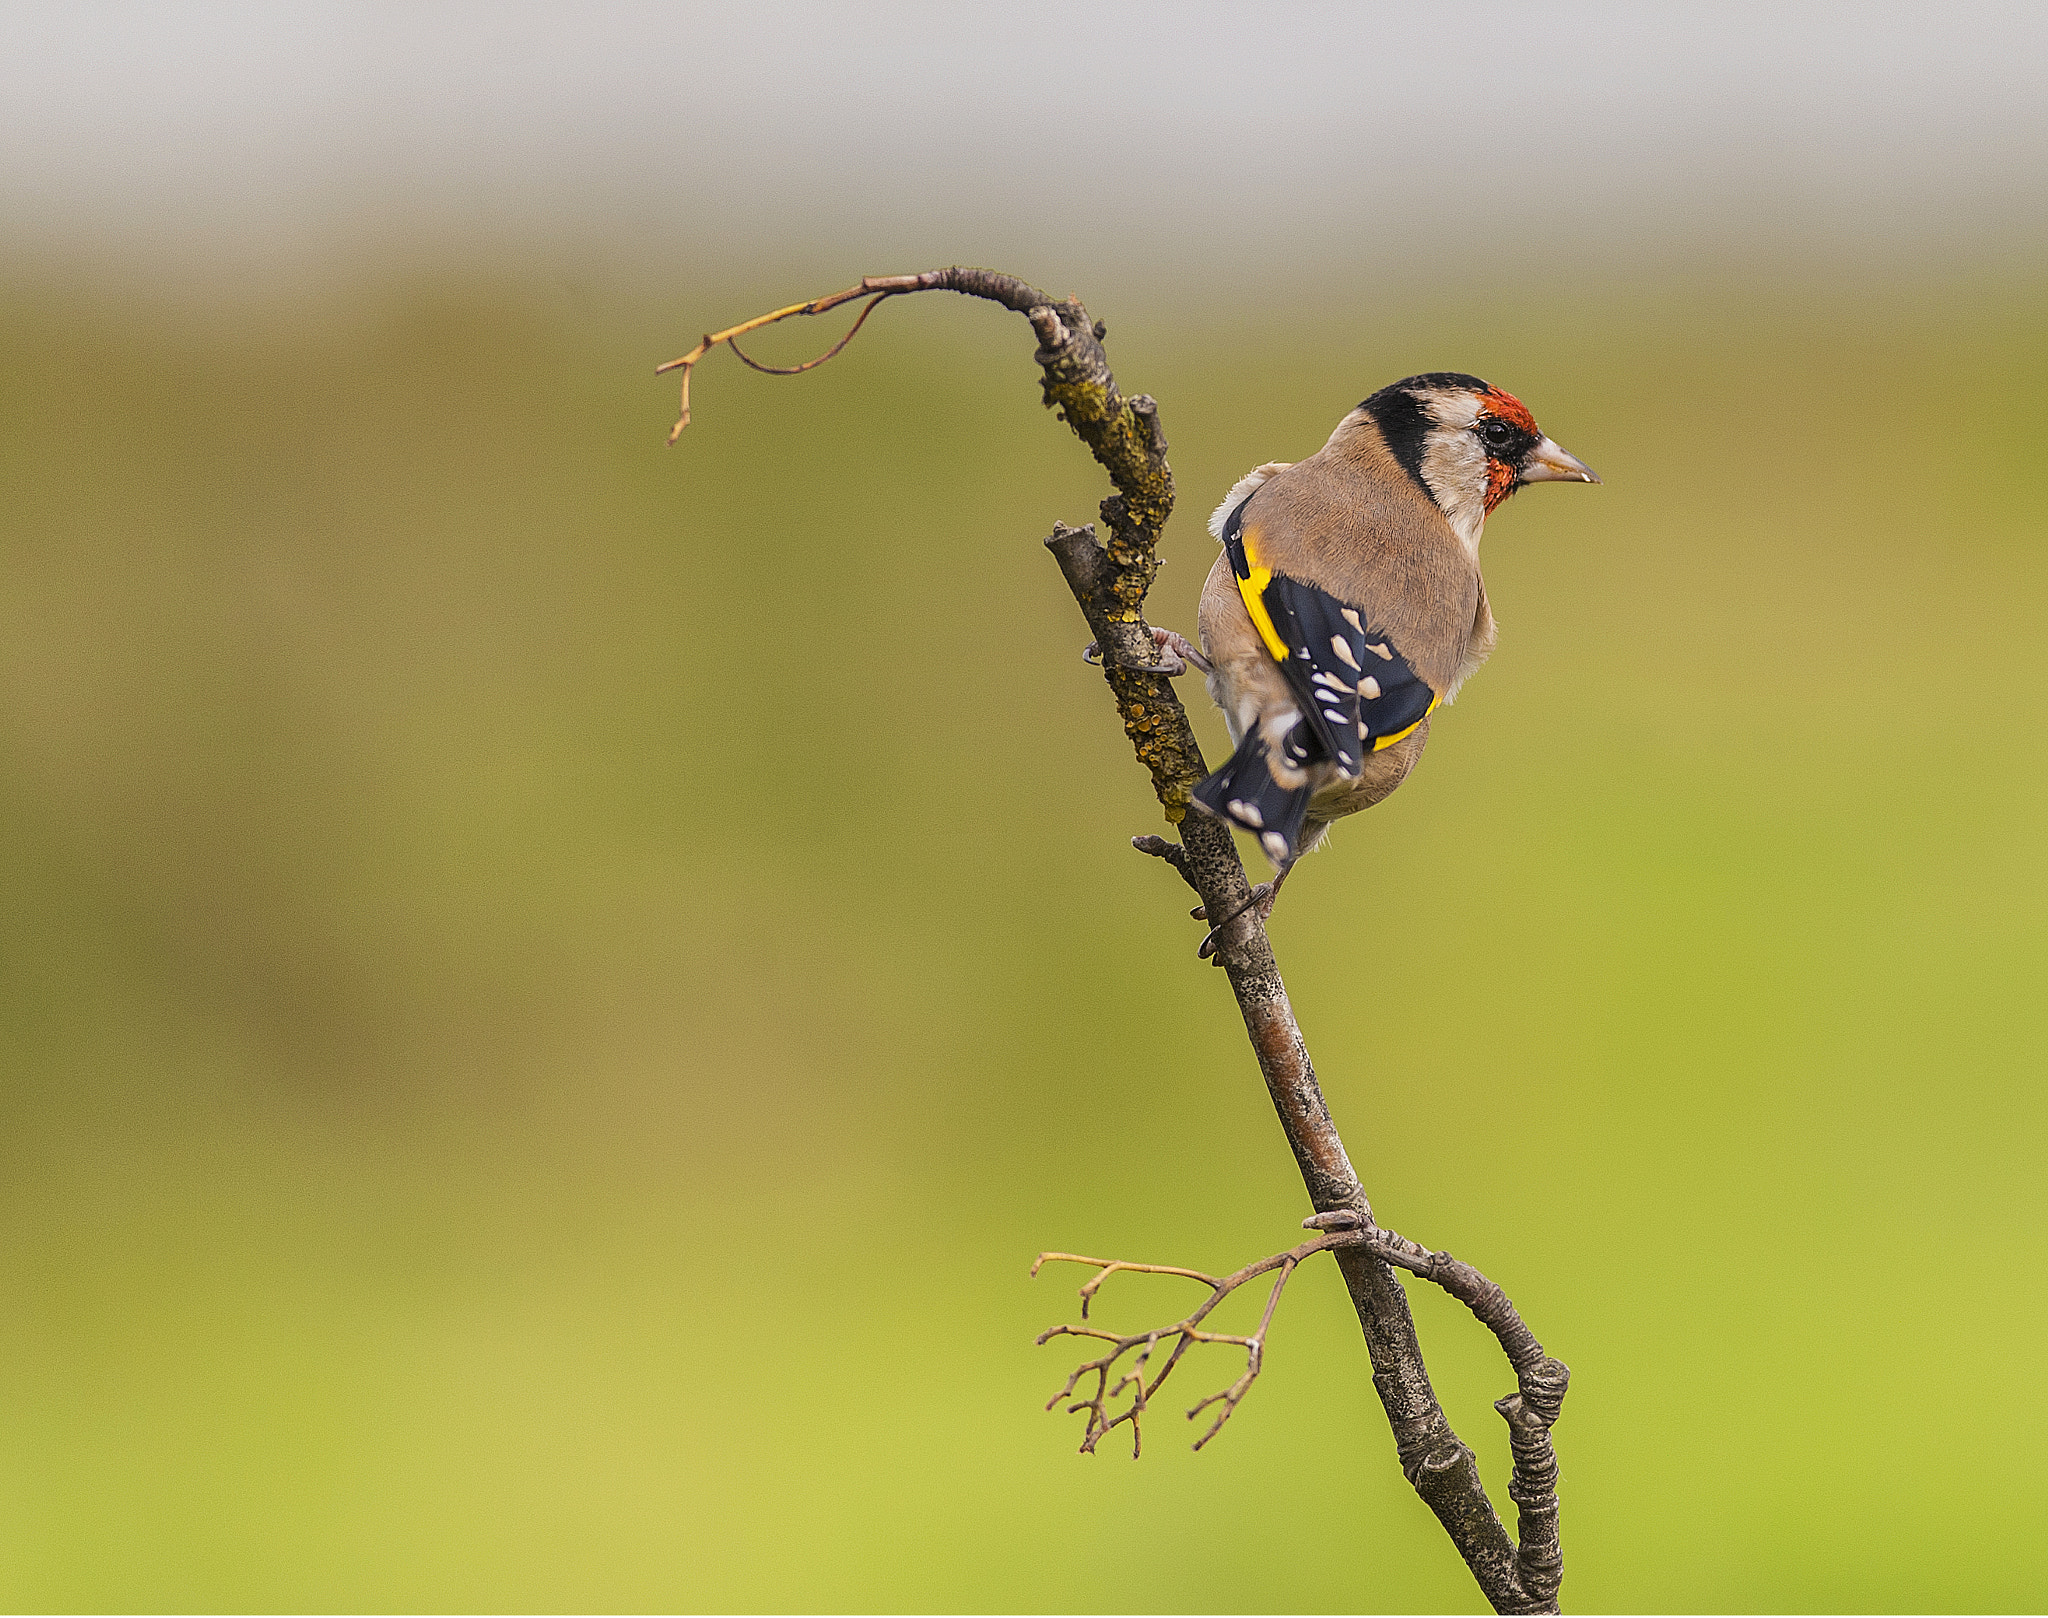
[(1109, 579), (1530, 1410)]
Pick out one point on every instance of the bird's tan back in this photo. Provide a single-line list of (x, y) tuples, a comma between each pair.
[(1352, 521)]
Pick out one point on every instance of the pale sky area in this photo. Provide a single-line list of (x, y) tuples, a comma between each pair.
[(244, 138)]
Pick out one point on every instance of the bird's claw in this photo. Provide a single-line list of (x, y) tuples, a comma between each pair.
[(1177, 655), (1263, 896)]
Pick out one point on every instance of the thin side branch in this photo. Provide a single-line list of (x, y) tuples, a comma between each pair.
[(1183, 1334), (882, 286), (808, 365)]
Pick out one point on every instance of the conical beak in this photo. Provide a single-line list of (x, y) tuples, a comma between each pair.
[(1547, 463)]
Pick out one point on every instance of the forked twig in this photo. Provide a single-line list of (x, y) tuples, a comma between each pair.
[(1185, 1333), (808, 365), (880, 286)]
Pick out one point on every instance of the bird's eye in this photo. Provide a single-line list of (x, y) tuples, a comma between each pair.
[(1496, 434)]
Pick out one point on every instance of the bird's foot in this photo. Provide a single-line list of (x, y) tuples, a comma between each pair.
[(1264, 896), (1176, 655)]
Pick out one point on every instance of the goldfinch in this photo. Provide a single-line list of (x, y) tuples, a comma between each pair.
[(1348, 604)]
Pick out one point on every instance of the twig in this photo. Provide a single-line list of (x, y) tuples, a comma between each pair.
[(1185, 1332), (808, 365), (881, 286), (1160, 849)]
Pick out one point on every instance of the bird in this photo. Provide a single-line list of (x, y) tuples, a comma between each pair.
[(1348, 605)]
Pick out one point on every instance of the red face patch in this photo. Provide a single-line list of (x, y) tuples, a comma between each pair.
[(1495, 404), (1500, 482)]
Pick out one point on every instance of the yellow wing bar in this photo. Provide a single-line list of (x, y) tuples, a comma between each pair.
[(1379, 742), (1252, 587)]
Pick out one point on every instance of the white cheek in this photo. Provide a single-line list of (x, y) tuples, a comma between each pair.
[(1455, 468)]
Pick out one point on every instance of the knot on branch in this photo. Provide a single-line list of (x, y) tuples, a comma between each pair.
[(1447, 1453), (1146, 409), (1543, 1388), (1052, 336)]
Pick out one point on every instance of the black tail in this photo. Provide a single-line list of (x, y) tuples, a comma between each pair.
[(1245, 794)]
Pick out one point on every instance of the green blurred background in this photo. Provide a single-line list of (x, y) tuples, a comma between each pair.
[(550, 988)]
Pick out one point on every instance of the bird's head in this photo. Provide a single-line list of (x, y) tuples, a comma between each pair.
[(1469, 445)]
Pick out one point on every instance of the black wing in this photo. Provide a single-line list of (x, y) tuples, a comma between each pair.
[(1356, 690)]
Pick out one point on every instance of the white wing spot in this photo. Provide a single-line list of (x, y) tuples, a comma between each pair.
[(1369, 688), (1246, 814), (1342, 648), (1275, 846), (1380, 651), (1351, 618)]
